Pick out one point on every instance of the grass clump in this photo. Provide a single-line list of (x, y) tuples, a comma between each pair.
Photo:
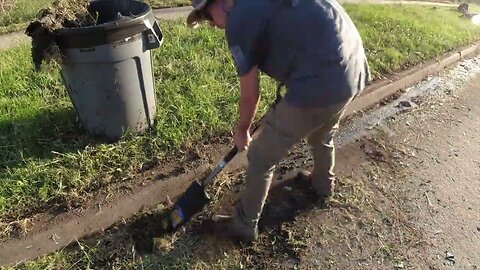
[(62, 14)]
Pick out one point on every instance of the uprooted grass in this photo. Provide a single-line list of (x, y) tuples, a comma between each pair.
[(62, 14), (47, 160)]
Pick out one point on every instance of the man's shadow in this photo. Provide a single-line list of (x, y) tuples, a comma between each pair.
[(286, 200)]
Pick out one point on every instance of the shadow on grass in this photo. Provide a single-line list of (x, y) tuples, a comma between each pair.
[(40, 136)]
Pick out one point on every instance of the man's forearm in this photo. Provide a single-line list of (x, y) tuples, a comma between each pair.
[(248, 109), (249, 99)]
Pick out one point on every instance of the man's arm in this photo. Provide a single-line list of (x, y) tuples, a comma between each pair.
[(249, 98)]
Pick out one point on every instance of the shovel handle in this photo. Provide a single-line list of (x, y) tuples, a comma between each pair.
[(233, 152)]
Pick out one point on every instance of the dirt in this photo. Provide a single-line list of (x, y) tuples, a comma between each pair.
[(420, 190)]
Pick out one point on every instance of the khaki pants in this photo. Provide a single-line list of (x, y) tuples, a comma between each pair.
[(283, 128)]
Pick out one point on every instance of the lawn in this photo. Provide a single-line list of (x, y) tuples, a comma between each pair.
[(15, 14), (168, 3), (46, 159)]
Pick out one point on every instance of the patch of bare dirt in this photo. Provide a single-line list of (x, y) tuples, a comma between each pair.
[(417, 196)]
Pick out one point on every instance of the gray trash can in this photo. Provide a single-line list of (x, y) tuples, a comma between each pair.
[(107, 68)]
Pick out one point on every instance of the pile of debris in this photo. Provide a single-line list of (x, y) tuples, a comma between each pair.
[(62, 14), (463, 8)]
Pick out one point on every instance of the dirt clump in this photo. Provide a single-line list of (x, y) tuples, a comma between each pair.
[(62, 14)]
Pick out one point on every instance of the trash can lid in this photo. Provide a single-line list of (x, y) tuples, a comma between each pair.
[(117, 21)]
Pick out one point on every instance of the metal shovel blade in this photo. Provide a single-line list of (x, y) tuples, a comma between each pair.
[(191, 202)]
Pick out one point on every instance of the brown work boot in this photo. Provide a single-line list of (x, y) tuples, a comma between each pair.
[(233, 228), (323, 189)]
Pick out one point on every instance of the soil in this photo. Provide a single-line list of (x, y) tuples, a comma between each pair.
[(423, 179)]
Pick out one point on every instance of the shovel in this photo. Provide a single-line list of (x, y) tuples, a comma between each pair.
[(195, 198)]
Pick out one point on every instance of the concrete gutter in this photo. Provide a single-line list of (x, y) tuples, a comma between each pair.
[(387, 87)]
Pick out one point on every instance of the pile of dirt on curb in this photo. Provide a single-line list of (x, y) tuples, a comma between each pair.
[(62, 14)]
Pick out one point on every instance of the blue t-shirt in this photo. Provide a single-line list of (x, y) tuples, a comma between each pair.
[(311, 46)]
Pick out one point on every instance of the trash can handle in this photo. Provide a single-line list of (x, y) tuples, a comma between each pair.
[(153, 35)]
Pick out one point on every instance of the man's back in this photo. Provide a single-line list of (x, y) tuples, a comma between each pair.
[(310, 45)]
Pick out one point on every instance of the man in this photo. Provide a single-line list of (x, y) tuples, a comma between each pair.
[(314, 49)]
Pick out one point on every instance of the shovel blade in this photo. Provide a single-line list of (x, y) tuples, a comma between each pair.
[(191, 202)]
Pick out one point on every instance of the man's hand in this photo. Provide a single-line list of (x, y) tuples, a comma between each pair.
[(242, 139)]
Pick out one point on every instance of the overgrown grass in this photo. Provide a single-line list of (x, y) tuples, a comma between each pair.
[(46, 158)]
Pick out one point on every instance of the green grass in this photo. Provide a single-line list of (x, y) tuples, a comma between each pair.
[(397, 37), (168, 3), (47, 159), (15, 14)]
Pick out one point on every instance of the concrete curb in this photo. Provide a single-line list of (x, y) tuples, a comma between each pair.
[(387, 87)]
